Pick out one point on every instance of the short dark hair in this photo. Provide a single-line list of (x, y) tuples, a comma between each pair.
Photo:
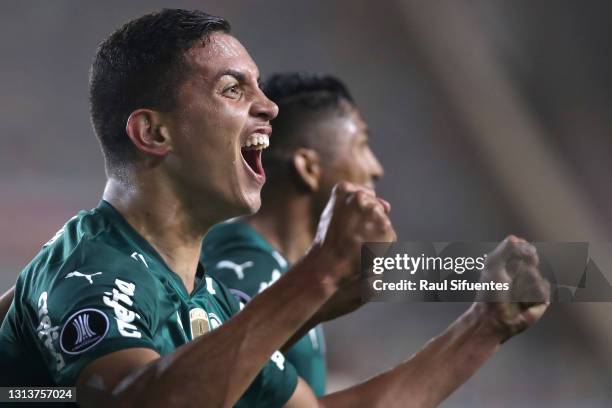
[(141, 65), (303, 99)]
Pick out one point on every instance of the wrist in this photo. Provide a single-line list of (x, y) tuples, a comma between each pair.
[(325, 267), (487, 324)]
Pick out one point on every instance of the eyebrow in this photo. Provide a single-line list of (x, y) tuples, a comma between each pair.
[(239, 75)]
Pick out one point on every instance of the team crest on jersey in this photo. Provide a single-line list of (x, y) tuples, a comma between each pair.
[(199, 322), (83, 330)]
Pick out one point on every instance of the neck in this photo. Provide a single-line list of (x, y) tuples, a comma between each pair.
[(158, 215), (287, 224)]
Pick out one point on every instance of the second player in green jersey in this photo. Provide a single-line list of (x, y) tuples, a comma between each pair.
[(243, 260)]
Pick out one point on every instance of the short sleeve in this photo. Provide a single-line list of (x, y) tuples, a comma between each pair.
[(273, 386), (101, 301)]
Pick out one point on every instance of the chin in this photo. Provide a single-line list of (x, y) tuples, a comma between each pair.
[(246, 197), (247, 204), (252, 204)]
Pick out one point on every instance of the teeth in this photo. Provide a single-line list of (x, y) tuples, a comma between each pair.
[(257, 141)]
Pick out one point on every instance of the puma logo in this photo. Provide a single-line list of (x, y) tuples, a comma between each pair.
[(238, 268), (83, 275)]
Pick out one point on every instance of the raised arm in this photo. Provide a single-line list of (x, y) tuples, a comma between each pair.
[(215, 369), (450, 359)]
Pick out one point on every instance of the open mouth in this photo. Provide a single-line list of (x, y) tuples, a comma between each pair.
[(251, 153), (253, 160)]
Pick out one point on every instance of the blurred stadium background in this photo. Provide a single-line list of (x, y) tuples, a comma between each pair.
[(489, 116)]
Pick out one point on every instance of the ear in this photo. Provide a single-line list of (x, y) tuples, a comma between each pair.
[(146, 130), (307, 164)]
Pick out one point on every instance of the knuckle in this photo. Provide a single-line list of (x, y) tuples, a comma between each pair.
[(370, 207), (514, 239), (513, 245), (361, 198), (392, 234), (389, 227), (343, 187)]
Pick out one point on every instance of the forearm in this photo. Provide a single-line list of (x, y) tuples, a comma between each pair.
[(347, 299), (432, 374), (226, 360), (301, 332)]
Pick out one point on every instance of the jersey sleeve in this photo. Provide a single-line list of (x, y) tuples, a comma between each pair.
[(99, 302), (273, 386), (248, 269)]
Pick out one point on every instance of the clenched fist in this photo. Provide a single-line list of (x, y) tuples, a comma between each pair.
[(353, 216), (515, 262)]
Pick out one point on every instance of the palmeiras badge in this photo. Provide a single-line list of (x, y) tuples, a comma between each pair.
[(199, 322)]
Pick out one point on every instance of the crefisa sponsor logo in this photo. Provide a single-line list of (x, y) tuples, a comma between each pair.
[(48, 333), (121, 300)]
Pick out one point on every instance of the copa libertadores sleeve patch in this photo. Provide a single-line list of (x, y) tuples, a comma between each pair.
[(83, 330)]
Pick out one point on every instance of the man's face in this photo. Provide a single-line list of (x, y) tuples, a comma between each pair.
[(220, 110), (351, 157)]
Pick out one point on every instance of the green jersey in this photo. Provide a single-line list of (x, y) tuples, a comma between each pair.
[(99, 287), (244, 261)]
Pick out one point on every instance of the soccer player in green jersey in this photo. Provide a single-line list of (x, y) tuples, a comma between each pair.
[(320, 139), (118, 302)]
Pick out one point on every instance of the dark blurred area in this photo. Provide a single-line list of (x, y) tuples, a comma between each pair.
[(490, 117)]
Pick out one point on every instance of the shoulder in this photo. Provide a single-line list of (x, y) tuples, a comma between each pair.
[(241, 258), (90, 260), (234, 241), (68, 244), (232, 234), (86, 248), (81, 273), (95, 301)]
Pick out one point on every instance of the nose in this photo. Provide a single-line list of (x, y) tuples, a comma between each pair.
[(377, 171), (263, 107)]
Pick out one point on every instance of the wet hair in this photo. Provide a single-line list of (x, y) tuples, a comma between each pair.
[(141, 65)]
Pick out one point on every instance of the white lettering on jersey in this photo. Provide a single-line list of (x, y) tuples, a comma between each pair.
[(237, 268), (120, 300), (48, 333), (82, 275), (278, 359), (275, 276), (139, 257)]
